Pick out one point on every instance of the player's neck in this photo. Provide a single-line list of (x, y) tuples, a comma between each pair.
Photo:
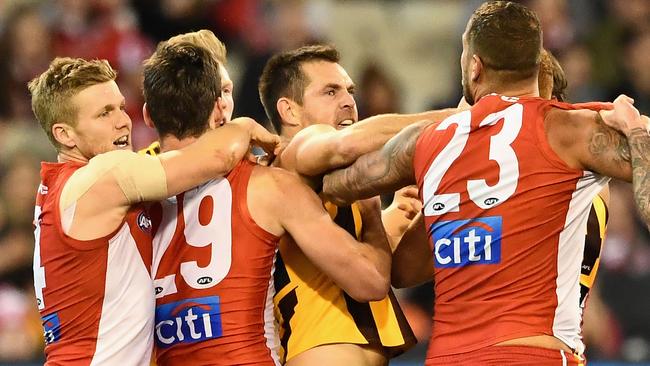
[(170, 143), (71, 156), (526, 88)]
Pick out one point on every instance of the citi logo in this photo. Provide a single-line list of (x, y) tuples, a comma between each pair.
[(51, 328), (460, 243), (188, 321)]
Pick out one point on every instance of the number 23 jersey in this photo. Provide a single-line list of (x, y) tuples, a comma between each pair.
[(506, 218), (212, 267)]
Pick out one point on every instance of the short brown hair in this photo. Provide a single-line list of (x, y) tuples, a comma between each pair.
[(181, 85), (283, 77), (53, 90), (206, 39), (552, 80), (507, 37)]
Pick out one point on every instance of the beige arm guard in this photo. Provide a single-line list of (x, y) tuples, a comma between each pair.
[(140, 177)]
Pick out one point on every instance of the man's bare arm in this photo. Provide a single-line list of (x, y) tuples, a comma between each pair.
[(105, 189), (624, 155), (412, 260), (377, 172), (639, 141), (321, 148), (627, 119), (281, 203)]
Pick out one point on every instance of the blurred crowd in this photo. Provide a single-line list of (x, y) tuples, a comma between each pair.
[(403, 56)]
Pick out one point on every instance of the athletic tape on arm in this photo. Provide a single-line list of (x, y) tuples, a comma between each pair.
[(140, 177)]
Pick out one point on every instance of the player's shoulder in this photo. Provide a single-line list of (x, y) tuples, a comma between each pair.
[(274, 177), (569, 118)]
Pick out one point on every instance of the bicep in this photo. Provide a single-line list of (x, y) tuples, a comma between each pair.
[(306, 220), (603, 150), (137, 177)]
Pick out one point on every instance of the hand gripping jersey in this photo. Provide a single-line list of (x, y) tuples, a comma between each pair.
[(213, 268), (95, 297), (312, 311), (507, 220)]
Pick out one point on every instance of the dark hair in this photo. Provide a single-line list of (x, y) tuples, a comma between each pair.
[(283, 77), (507, 37), (181, 84)]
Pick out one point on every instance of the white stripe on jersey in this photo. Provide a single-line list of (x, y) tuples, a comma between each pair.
[(568, 314), (270, 328), (129, 298)]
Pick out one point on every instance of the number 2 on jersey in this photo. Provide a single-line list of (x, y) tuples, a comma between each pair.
[(207, 222), (437, 203)]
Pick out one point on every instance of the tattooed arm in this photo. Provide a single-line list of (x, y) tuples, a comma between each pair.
[(321, 148), (639, 141), (627, 119), (585, 140), (381, 171)]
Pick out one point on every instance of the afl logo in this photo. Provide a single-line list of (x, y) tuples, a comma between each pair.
[(42, 189), (158, 290), (204, 280), (438, 206), (144, 222), (491, 201)]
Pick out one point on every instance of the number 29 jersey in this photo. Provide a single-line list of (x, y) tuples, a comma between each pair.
[(506, 218), (213, 267)]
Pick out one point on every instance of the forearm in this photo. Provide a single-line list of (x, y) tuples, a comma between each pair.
[(375, 238), (211, 156), (373, 132), (639, 141), (351, 184), (377, 172), (412, 260)]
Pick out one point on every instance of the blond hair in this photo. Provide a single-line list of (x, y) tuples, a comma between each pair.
[(206, 39), (53, 90)]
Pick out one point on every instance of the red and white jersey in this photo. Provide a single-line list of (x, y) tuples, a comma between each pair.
[(95, 297), (506, 219), (213, 268)]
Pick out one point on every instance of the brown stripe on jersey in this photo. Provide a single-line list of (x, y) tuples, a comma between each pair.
[(361, 312), (593, 243), (362, 315), (280, 275), (345, 219), (404, 327), (287, 307)]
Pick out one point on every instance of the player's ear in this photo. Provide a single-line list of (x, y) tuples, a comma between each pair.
[(475, 67), (64, 134), (289, 111), (147, 117)]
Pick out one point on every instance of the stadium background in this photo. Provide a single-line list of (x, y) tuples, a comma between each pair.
[(403, 56)]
